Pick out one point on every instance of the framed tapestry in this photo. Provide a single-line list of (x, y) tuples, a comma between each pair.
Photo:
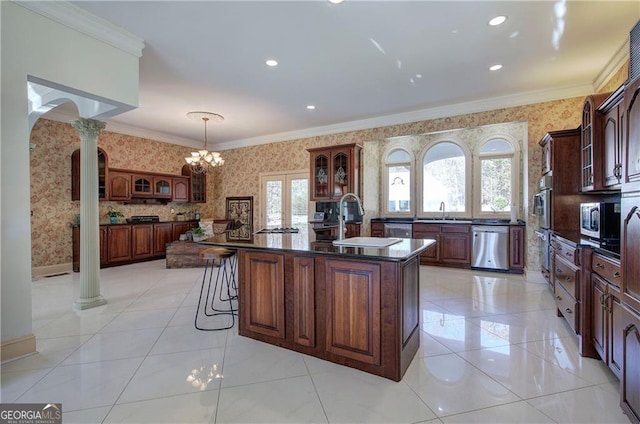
[(240, 211)]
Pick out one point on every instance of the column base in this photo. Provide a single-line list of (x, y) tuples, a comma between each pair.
[(83, 304)]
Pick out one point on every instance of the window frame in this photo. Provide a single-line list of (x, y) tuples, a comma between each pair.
[(389, 150), (468, 160), (515, 176)]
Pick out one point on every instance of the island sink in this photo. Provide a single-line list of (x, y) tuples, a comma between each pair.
[(367, 242)]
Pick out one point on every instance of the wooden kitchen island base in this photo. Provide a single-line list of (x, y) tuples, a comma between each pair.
[(361, 312)]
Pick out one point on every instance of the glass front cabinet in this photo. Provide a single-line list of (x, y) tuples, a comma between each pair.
[(335, 170)]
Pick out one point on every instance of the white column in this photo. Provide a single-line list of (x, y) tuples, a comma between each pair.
[(90, 296)]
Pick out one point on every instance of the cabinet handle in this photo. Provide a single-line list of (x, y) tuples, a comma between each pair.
[(569, 311), (599, 265), (602, 299), (558, 298), (567, 279), (558, 271), (568, 253), (616, 274)]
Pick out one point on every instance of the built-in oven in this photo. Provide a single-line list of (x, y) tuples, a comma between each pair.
[(542, 203), (545, 251)]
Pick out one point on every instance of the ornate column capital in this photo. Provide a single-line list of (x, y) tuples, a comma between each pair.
[(88, 127)]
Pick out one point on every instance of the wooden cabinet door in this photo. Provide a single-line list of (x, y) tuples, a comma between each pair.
[(517, 247), (304, 304), (180, 228), (141, 185), (103, 168), (119, 186), (320, 176), (632, 142), (104, 245), (377, 229), (615, 331), (262, 308), (162, 234), (142, 241), (587, 145), (630, 251), (455, 244), (598, 316), (180, 190), (612, 167), (162, 187), (630, 382), (353, 310), (119, 243)]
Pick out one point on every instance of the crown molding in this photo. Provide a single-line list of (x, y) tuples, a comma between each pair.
[(82, 21), (619, 58), (476, 106), (484, 105)]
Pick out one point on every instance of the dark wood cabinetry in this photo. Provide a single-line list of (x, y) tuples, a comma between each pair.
[(612, 136), (119, 186), (566, 274), (198, 186), (121, 244), (591, 143), (162, 187), (377, 229), (180, 188), (141, 185), (335, 170), (359, 313), (103, 175), (452, 247)]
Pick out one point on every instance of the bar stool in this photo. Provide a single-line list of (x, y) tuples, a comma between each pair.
[(224, 288)]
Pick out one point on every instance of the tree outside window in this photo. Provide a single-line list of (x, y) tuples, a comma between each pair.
[(444, 178)]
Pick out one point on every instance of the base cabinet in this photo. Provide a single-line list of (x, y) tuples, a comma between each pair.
[(452, 247), (121, 244), (630, 382), (359, 313)]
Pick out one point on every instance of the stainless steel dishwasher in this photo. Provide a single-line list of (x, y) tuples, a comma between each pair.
[(397, 229), (490, 247)]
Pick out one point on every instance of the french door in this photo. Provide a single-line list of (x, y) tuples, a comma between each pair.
[(286, 200)]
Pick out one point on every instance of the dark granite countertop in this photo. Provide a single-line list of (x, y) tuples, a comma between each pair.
[(577, 240), (300, 243), (450, 221)]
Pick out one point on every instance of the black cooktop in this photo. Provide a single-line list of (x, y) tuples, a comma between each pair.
[(279, 230)]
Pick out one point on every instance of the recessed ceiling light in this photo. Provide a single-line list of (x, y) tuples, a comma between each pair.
[(311, 107), (495, 67), (271, 62), (335, 1), (497, 20)]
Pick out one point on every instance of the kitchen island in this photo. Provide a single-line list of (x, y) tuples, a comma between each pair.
[(354, 306)]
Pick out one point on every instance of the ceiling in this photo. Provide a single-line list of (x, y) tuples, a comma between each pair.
[(362, 64)]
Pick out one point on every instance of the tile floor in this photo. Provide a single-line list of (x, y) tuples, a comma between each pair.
[(492, 350)]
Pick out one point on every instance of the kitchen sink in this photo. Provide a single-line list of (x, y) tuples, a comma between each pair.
[(367, 241)]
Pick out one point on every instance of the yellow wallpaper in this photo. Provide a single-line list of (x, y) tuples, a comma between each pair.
[(53, 209)]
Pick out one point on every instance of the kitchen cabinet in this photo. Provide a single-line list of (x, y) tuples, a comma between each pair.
[(335, 170), (517, 236), (606, 324), (566, 278), (119, 186), (141, 185), (198, 185), (142, 241), (162, 187), (547, 154), (612, 133), (452, 247), (630, 381), (103, 175), (592, 143), (121, 244), (377, 229), (180, 189), (631, 160)]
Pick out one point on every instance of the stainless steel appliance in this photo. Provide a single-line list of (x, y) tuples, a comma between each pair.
[(394, 229), (600, 221), (545, 250), (542, 203), (490, 247)]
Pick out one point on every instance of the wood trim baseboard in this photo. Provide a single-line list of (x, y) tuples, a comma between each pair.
[(44, 271), (15, 348)]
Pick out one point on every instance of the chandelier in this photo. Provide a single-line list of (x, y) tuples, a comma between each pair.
[(202, 160)]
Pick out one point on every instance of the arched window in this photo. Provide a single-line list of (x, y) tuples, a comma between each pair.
[(497, 175), (444, 179), (398, 182)]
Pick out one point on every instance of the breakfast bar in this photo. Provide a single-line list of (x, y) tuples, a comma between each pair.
[(355, 305)]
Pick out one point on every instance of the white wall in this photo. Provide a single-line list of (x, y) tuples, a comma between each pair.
[(33, 45)]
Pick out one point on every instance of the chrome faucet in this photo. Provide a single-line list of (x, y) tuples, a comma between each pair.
[(442, 209), (341, 213)]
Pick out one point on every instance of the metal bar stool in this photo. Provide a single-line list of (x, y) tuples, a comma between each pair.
[(224, 288)]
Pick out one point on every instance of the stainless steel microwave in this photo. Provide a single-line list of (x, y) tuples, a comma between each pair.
[(600, 221)]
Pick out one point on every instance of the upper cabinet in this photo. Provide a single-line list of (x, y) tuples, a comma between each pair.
[(119, 186), (335, 171), (180, 189), (198, 188), (631, 168), (613, 130), (592, 143), (103, 166)]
